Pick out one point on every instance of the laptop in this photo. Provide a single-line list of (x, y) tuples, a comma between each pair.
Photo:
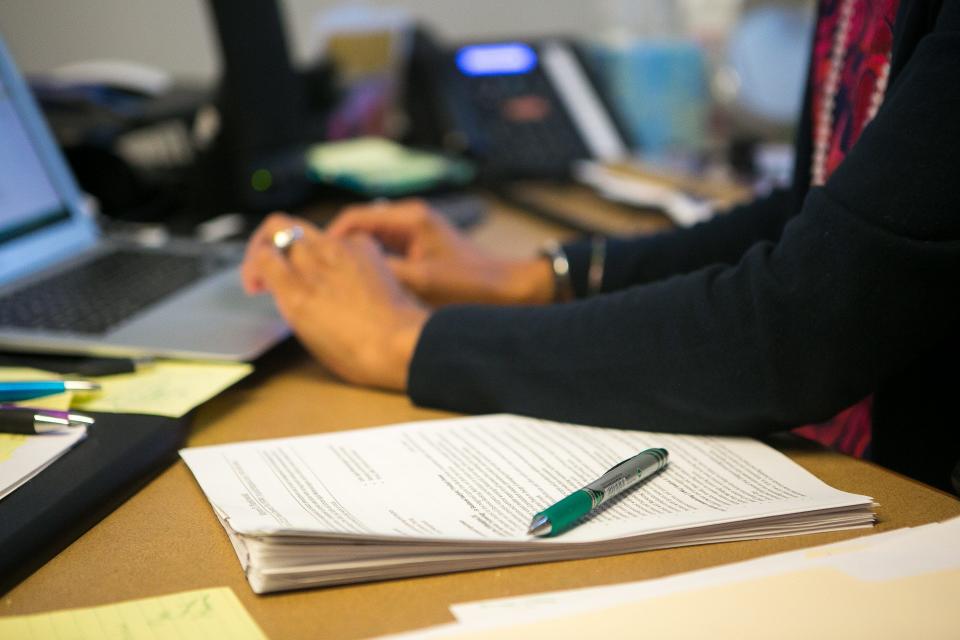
[(67, 288)]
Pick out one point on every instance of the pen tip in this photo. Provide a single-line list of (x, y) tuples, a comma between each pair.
[(540, 526), (81, 385)]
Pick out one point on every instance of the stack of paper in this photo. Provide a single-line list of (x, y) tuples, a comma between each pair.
[(902, 583), (449, 495)]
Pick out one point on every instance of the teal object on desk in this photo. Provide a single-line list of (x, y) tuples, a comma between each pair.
[(661, 90), (559, 517), (29, 389), (378, 167)]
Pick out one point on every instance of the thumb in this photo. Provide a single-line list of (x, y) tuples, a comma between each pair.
[(410, 274)]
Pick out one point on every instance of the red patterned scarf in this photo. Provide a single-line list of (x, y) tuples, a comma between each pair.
[(851, 60)]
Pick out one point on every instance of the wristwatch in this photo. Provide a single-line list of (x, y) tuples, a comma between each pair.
[(562, 285)]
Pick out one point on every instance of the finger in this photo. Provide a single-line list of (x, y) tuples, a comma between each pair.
[(361, 243), (265, 230), (369, 250), (314, 253), (270, 225), (393, 225), (263, 236), (275, 273), (408, 273)]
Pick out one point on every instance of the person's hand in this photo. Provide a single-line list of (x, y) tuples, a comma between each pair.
[(438, 263), (340, 299)]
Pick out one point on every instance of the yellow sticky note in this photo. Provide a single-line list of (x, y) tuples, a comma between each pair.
[(190, 615), (60, 402), (166, 388), (9, 443)]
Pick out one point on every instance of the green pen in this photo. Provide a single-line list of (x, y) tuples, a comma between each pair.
[(559, 517)]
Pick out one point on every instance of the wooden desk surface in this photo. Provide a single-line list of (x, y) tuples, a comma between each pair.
[(166, 538)]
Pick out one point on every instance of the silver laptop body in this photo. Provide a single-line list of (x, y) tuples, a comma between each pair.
[(45, 231)]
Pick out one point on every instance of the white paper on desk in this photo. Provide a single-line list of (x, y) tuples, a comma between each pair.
[(846, 554), (481, 479), (912, 562), (683, 209), (23, 457)]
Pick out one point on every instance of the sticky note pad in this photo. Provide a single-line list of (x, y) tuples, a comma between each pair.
[(168, 388), (205, 613)]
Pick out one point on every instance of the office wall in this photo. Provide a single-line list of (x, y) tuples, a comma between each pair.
[(173, 34)]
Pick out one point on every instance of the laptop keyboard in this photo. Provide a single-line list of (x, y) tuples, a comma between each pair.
[(102, 292)]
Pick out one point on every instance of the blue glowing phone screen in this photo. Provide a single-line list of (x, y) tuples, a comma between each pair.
[(505, 58)]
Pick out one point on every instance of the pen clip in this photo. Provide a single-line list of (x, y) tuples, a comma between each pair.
[(47, 423)]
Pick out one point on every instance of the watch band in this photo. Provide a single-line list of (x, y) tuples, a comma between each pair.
[(598, 262)]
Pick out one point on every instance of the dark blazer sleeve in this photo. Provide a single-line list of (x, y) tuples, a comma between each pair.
[(865, 277), (723, 239)]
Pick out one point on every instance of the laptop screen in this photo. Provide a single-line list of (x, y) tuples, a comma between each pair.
[(28, 199)]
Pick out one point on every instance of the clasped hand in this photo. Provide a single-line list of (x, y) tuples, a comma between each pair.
[(358, 294)]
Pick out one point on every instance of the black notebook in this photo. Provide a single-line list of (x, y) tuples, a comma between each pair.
[(119, 455)]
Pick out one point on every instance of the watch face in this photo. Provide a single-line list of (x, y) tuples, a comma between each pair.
[(768, 53)]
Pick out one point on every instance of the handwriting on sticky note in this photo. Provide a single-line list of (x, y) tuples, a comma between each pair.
[(190, 615), (167, 388)]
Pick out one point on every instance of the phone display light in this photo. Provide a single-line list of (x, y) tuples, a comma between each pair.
[(508, 58)]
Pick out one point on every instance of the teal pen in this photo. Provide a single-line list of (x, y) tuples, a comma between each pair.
[(29, 389), (559, 517)]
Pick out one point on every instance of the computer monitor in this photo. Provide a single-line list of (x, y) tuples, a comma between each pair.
[(256, 163)]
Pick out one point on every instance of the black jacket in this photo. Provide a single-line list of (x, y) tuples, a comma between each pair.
[(777, 314)]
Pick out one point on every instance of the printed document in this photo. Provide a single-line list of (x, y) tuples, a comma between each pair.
[(454, 494)]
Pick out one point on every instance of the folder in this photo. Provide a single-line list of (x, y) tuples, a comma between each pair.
[(120, 454)]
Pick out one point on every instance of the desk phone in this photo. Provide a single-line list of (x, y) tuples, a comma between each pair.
[(523, 109)]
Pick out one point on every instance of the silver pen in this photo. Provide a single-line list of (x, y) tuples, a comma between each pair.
[(34, 421), (559, 517)]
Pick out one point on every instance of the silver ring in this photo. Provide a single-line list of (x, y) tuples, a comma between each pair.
[(283, 240)]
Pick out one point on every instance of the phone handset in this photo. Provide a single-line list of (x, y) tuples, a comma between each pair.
[(589, 115)]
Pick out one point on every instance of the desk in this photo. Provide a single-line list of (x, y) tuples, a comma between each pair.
[(166, 538)]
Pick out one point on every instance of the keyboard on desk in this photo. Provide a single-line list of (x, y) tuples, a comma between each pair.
[(102, 292)]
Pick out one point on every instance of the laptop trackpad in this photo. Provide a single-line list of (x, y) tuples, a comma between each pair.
[(213, 319)]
